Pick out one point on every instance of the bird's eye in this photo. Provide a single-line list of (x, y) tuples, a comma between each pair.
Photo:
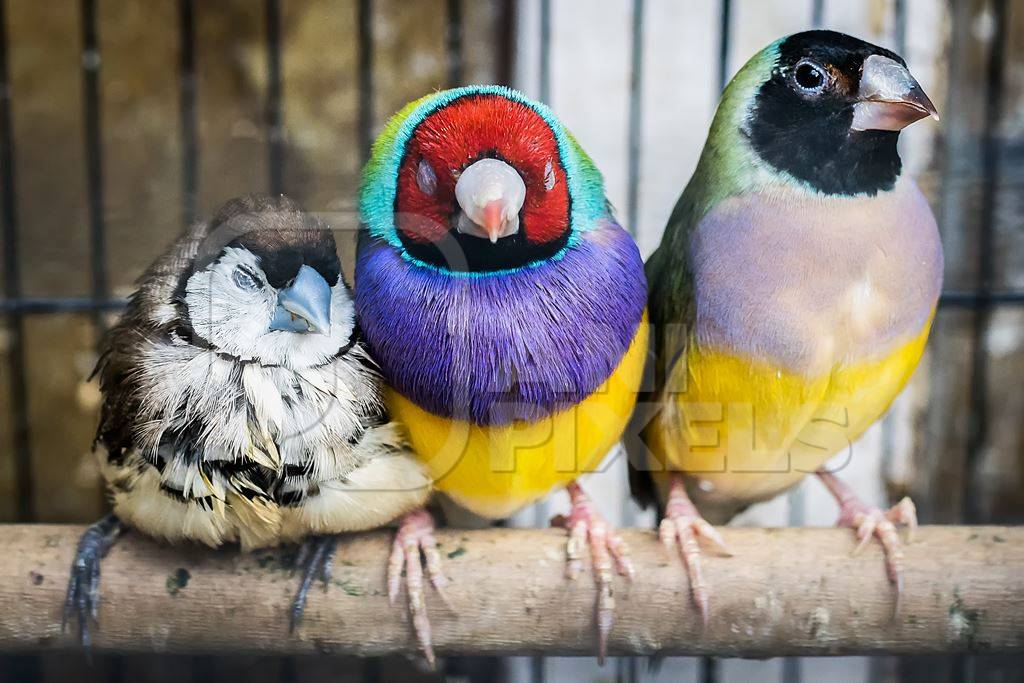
[(549, 176), (245, 279), (809, 76), (426, 179)]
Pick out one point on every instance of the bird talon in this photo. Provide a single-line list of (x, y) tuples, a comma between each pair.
[(82, 601), (609, 555), (871, 522), (681, 530), (415, 538), (317, 556)]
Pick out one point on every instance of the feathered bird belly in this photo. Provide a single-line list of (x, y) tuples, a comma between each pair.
[(380, 490), (745, 430), (810, 314), (495, 470), (240, 452)]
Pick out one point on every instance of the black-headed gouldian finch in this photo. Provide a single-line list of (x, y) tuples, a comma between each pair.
[(239, 403), (506, 308), (792, 293)]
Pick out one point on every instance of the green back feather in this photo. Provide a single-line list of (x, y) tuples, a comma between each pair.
[(728, 167)]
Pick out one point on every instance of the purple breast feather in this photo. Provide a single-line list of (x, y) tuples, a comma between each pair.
[(497, 348)]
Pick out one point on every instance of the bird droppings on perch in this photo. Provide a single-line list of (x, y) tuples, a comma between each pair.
[(786, 592)]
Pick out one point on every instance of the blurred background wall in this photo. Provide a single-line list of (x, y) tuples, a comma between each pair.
[(128, 118)]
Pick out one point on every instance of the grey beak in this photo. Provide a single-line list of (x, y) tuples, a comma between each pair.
[(305, 306), (889, 98)]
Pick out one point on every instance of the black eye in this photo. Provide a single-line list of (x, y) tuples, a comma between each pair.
[(549, 176), (245, 278), (426, 179), (809, 76)]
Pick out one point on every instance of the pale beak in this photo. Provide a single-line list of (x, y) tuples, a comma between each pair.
[(491, 194), (889, 98), (305, 305)]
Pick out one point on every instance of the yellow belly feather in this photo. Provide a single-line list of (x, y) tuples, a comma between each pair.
[(495, 471), (747, 431)]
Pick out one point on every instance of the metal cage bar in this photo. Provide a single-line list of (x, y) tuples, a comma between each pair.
[(364, 24), (991, 152), (453, 44), (274, 118), (724, 43), (17, 384), (91, 115), (187, 112), (636, 85)]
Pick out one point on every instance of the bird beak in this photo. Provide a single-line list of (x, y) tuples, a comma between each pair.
[(490, 194), (889, 98), (305, 306), (494, 219)]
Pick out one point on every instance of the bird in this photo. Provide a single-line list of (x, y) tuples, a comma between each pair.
[(791, 295), (240, 404), (506, 308)]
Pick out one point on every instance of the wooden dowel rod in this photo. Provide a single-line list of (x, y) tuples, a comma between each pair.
[(785, 592)]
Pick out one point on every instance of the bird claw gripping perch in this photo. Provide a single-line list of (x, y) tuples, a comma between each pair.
[(82, 601), (684, 524), (316, 558), (587, 528), (871, 522), (416, 535)]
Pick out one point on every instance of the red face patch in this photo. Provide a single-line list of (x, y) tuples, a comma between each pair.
[(470, 129)]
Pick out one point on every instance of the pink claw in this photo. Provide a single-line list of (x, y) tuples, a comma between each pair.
[(870, 522), (684, 524), (587, 528), (416, 535)]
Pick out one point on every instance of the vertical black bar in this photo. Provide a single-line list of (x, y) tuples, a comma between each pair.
[(93, 153), (187, 111), (505, 40), (24, 493), (709, 670), (791, 671), (899, 23), (818, 13), (453, 44), (636, 83), (899, 27), (545, 51), (364, 23), (724, 40), (977, 431), (538, 666), (275, 130)]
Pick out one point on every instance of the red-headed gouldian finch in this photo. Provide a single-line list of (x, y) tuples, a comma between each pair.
[(505, 306), (239, 403), (792, 293)]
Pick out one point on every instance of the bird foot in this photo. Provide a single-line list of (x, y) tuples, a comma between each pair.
[(316, 558), (871, 522), (82, 601), (416, 535), (587, 527), (683, 524)]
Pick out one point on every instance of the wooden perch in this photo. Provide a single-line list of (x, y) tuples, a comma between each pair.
[(786, 592)]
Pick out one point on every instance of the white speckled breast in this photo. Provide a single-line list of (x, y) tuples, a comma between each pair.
[(808, 282)]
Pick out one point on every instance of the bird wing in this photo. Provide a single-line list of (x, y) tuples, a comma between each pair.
[(672, 311)]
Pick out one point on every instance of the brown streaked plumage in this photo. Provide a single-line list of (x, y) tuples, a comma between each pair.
[(221, 423)]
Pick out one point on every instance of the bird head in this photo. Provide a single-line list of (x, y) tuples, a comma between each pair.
[(827, 109), (479, 179), (267, 285)]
